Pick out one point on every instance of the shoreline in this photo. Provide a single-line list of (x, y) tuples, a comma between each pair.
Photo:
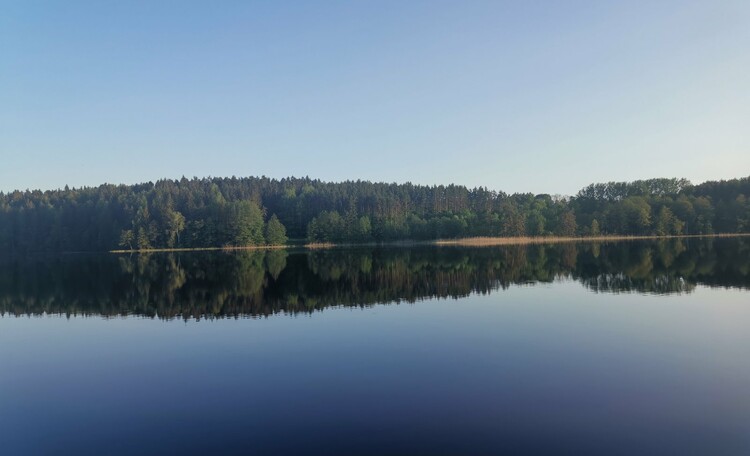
[(461, 242), (206, 249)]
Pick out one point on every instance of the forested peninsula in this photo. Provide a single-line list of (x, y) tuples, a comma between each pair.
[(260, 211)]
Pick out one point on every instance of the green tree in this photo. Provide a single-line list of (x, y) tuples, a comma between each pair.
[(567, 226), (664, 221), (637, 215), (329, 226), (245, 223), (595, 231), (513, 222), (667, 223), (143, 239), (275, 232), (535, 224), (364, 229), (174, 224), (126, 239)]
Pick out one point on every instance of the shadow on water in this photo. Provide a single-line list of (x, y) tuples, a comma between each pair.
[(257, 283)]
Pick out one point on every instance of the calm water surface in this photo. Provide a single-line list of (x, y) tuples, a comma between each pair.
[(621, 348)]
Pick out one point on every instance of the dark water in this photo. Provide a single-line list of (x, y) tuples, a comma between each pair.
[(621, 348)]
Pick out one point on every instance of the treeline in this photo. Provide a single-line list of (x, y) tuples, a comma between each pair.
[(257, 283), (214, 212)]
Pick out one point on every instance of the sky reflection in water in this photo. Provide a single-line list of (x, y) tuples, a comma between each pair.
[(628, 348)]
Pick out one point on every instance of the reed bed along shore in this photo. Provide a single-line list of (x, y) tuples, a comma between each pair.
[(522, 240), (323, 245), (465, 242)]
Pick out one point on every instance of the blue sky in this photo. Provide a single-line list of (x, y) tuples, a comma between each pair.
[(544, 97)]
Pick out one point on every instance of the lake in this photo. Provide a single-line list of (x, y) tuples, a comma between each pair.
[(638, 347)]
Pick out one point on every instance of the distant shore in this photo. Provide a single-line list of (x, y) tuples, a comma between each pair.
[(460, 242)]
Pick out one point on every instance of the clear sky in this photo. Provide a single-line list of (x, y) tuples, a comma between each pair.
[(544, 97)]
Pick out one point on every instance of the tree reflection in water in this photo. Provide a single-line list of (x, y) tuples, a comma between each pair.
[(258, 283)]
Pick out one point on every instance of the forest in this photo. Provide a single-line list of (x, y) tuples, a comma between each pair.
[(256, 211)]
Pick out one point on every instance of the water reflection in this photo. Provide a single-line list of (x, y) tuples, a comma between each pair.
[(256, 283)]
